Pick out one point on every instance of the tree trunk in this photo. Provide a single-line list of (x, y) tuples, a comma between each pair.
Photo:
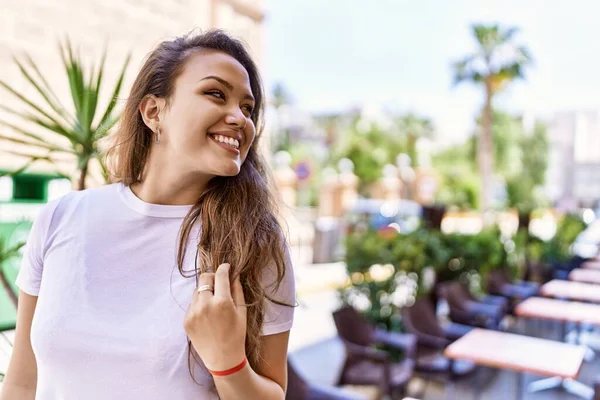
[(412, 149), (485, 154), (83, 176), (8, 289)]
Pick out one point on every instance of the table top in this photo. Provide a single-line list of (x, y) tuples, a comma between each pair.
[(559, 310), (519, 353), (592, 264), (585, 275), (571, 290)]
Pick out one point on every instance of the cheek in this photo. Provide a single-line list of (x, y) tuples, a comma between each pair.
[(194, 116), (250, 135)]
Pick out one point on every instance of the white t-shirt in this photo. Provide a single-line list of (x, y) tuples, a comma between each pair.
[(108, 324)]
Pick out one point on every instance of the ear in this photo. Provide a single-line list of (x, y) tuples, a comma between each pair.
[(150, 109)]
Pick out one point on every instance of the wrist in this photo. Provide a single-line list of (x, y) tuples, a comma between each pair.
[(230, 371)]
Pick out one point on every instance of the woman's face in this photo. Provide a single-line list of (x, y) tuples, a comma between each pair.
[(206, 128)]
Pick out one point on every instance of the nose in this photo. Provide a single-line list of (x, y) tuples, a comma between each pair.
[(236, 117)]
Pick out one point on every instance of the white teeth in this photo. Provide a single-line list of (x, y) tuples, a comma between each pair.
[(230, 141)]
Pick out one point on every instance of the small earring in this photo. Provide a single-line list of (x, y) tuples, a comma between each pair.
[(157, 139)]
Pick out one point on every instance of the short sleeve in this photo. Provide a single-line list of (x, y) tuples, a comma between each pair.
[(30, 273), (279, 318)]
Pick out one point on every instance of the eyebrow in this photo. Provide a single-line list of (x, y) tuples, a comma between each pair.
[(226, 84)]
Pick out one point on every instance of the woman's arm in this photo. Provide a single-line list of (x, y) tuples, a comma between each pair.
[(216, 325), (21, 377), (268, 382)]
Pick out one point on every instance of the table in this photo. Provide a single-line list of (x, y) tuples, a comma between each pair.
[(558, 310), (519, 353), (585, 275), (593, 264), (571, 290), (563, 312)]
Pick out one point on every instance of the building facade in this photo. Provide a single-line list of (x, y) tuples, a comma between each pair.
[(573, 177)]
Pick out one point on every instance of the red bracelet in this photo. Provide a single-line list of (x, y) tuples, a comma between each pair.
[(230, 371)]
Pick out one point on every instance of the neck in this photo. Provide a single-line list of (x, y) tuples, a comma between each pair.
[(166, 185)]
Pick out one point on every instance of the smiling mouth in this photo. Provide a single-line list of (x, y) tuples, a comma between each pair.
[(226, 142)]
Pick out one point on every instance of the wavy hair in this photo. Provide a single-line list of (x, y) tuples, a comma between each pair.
[(238, 214)]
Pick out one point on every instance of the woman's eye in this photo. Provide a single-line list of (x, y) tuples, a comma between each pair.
[(248, 109), (216, 93)]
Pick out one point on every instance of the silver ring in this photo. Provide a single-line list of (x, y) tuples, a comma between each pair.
[(205, 287)]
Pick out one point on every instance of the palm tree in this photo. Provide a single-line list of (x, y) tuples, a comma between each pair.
[(75, 134), (7, 253), (497, 61), (414, 127)]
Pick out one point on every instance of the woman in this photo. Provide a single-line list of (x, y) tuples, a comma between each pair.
[(186, 246)]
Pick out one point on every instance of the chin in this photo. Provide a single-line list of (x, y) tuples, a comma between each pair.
[(230, 173), (231, 170), (221, 167)]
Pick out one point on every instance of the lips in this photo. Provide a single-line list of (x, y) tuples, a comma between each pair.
[(230, 144)]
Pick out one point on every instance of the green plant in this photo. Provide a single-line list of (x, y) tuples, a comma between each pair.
[(74, 134), (458, 188), (7, 253), (387, 269), (491, 68), (557, 249), (413, 128), (521, 187), (370, 148)]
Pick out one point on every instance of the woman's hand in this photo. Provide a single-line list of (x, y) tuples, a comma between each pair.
[(216, 322)]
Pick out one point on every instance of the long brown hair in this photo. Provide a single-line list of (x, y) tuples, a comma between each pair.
[(239, 213)]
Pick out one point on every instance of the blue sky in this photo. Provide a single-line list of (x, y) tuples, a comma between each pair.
[(332, 54)]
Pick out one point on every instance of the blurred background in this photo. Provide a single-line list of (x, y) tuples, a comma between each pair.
[(414, 145)]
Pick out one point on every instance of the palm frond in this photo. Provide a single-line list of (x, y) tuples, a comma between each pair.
[(45, 92), (44, 146), (103, 130), (30, 103), (23, 168), (115, 93), (24, 132), (24, 154), (508, 34), (53, 127), (491, 62), (47, 87), (50, 114), (11, 251), (465, 70)]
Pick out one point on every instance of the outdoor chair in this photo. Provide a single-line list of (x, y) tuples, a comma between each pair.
[(464, 310), (432, 338), (491, 299), (367, 365), (499, 284), (300, 389)]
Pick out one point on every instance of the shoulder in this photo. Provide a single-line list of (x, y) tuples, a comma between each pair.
[(76, 198), (280, 278), (67, 205)]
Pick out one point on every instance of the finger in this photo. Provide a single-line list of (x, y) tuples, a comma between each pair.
[(222, 285), (237, 291), (206, 278)]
